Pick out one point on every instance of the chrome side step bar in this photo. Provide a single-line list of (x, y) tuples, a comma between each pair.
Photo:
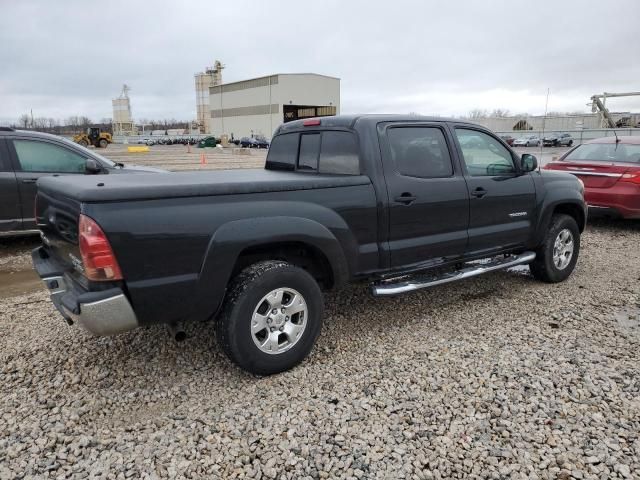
[(392, 287)]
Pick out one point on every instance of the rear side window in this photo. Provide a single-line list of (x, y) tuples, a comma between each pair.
[(35, 156), (328, 152), (339, 153), (309, 151), (420, 152), (283, 152)]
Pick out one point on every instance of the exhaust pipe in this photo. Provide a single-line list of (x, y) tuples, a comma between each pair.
[(176, 330)]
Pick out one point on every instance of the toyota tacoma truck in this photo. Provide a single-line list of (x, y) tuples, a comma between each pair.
[(400, 202)]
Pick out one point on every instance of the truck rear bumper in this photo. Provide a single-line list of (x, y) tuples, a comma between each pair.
[(105, 312)]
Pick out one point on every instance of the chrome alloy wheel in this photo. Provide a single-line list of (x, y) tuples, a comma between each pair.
[(563, 249), (279, 320)]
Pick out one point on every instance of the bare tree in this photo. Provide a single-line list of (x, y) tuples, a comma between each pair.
[(500, 113), (477, 113), (24, 120)]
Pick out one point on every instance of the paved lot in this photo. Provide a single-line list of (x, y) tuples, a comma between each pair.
[(496, 377), (179, 157)]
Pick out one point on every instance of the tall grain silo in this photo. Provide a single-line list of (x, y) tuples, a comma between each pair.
[(212, 76), (122, 119)]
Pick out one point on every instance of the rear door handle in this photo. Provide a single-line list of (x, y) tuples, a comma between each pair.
[(479, 192), (406, 198), (29, 180)]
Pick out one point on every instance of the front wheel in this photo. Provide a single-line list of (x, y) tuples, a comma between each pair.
[(271, 318), (557, 256)]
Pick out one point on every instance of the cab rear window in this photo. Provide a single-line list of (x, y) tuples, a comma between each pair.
[(327, 152)]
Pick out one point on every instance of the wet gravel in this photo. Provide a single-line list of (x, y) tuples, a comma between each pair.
[(495, 377)]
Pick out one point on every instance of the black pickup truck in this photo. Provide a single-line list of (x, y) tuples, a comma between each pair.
[(401, 202)]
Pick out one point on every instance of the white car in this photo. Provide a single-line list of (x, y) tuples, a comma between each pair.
[(530, 141)]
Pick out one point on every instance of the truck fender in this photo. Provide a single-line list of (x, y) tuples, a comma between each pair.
[(229, 240), (566, 201)]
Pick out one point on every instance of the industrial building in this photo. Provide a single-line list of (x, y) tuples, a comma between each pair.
[(256, 107), (549, 123), (122, 122), (211, 77)]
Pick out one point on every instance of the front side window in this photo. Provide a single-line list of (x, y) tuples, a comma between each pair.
[(483, 154), (420, 152), (35, 156)]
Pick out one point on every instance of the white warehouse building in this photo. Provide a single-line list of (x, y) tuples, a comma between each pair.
[(256, 107)]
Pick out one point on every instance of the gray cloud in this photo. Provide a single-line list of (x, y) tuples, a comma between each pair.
[(64, 58)]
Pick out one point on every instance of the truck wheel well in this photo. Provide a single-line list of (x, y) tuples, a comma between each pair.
[(302, 255), (573, 211)]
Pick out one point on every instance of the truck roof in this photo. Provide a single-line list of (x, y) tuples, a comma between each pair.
[(349, 121)]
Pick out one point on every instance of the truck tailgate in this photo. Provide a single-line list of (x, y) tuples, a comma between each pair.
[(57, 218)]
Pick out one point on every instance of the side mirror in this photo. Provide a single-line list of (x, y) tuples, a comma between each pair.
[(91, 166), (528, 163)]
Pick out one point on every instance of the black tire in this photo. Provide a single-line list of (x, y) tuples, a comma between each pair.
[(233, 328), (543, 267), (570, 143), (103, 143), (83, 143)]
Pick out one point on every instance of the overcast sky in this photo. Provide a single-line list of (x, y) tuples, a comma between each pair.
[(64, 58)]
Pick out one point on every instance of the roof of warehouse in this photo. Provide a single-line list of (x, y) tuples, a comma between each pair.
[(277, 75)]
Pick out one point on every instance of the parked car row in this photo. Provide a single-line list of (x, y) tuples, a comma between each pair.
[(252, 142), (167, 141), (555, 139)]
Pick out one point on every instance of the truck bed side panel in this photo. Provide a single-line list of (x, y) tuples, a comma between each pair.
[(176, 266)]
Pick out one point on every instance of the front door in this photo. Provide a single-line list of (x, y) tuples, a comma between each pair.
[(502, 200), (427, 195), (10, 215), (33, 159)]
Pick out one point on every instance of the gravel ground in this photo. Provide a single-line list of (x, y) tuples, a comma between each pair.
[(495, 377)]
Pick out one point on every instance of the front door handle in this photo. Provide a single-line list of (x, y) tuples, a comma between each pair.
[(406, 198), (479, 192), (29, 180)]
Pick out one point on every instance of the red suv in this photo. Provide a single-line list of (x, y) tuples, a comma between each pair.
[(610, 170)]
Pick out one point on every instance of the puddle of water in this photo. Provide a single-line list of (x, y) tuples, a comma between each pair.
[(19, 283), (628, 318), (519, 269)]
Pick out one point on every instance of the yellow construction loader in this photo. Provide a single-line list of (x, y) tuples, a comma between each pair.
[(93, 136)]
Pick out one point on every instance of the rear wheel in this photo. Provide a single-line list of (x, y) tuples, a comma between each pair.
[(103, 143), (570, 143), (557, 256), (271, 318)]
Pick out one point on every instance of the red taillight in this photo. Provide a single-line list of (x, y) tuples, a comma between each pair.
[(312, 122), (99, 262), (631, 177)]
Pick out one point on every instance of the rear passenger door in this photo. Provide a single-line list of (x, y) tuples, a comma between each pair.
[(33, 159), (427, 195), (10, 215)]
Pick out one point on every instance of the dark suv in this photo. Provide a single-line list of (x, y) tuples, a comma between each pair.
[(26, 156)]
